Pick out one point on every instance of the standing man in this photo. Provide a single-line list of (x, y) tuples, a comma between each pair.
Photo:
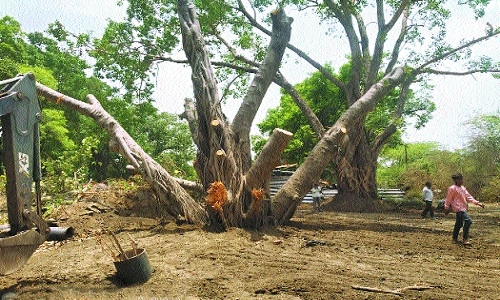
[(316, 195), (428, 196), (457, 199)]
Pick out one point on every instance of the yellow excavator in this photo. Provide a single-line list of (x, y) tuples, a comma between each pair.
[(20, 113)]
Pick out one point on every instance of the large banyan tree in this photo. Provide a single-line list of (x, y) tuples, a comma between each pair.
[(236, 187)]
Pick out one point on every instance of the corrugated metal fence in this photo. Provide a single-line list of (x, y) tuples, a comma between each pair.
[(277, 181)]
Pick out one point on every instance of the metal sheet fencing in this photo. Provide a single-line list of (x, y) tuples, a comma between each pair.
[(278, 181)]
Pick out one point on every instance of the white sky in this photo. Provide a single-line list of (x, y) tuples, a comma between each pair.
[(457, 98)]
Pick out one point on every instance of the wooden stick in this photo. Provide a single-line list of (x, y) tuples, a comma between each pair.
[(113, 244), (376, 290), (106, 249), (398, 292), (133, 243), (118, 244), (418, 288)]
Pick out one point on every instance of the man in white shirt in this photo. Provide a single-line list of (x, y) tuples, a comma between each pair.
[(428, 196), (316, 195)]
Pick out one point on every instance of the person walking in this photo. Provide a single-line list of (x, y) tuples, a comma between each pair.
[(428, 196), (456, 200), (316, 196)]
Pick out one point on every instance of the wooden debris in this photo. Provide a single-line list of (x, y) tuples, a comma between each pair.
[(118, 245), (398, 292), (114, 248), (376, 290), (133, 243)]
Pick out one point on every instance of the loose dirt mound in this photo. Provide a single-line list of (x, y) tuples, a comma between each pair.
[(327, 255)]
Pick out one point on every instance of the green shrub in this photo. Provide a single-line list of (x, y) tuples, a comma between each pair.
[(490, 192)]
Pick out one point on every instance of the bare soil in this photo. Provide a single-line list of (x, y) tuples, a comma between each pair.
[(326, 255)]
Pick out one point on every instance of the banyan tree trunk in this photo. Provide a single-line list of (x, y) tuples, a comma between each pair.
[(236, 189)]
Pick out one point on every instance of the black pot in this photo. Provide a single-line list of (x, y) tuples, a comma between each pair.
[(135, 269)]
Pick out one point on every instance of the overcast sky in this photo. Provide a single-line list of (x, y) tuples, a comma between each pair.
[(458, 99)]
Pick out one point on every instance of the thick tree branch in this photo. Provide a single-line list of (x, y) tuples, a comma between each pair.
[(280, 80), (262, 80), (365, 41), (296, 50), (343, 14), (269, 158), (281, 35), (174, 198), (191, 116), (383, 31), (333, 143), (210, 138), (399, 41), (372, 71)]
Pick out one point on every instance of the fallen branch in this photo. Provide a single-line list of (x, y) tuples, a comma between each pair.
[(419, 287), (376, 290), (398, 292)]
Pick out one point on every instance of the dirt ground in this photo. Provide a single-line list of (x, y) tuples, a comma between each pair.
[(326, 255)]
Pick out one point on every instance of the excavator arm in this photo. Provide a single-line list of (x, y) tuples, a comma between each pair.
[(20, 113)]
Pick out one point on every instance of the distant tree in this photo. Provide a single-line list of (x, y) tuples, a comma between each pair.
[(483, 155), (409, 166), (12, 45)]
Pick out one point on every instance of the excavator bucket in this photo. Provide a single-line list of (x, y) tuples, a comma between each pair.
[(16, 250)]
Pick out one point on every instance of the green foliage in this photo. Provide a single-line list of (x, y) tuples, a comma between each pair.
[(8, 68), (127, 50), (410, 166), (489, 193), (12, 45), (413, 164), (54, 133), (65, 166), (322, 96), (483, 154), (42, 75)]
